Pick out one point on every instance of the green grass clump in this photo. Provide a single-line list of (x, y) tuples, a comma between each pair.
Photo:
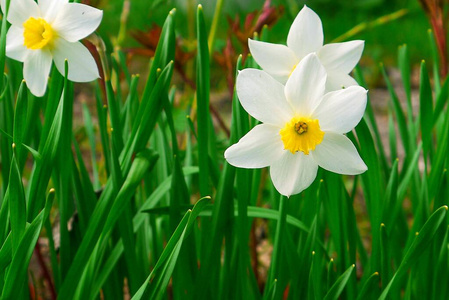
[(128, 205)]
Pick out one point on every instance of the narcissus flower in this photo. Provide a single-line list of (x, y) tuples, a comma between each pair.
[(305, 37), (303, 127), (47, 31)]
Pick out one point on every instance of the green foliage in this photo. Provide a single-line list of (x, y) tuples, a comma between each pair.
[(132, 206)]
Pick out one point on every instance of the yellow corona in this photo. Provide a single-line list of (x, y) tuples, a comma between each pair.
[(37, 33), (301, 134)]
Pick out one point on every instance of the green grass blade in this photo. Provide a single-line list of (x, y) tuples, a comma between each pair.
[(20, 114), (385, 256), (168, 258), (3, 41), (274, 271), (16, 276), (337, 288), (400, 117), (165, 52), (17, 204), (441, 100), (419, 245), (202, 96), (404, 67), (370, 287), (426, 109), (104, 220), (6, 253)]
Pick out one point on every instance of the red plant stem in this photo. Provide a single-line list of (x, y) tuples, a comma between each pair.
[(45, 272), (220, 121), (440, 37), (93, 50)]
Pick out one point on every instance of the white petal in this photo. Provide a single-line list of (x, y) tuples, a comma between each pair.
[(277, 60), (306, 85), (36, 69), (336, 153), (341, 57), (22, 10), (82, 66), (76, 21), (15, 47), (51, 8), (259, 148), (340, 111), (337, 81), (263, 97), (306, 33), (293, 173)]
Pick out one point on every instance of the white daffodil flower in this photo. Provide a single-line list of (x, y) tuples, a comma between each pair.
[(306, 36), (302, 126), (47, 31)]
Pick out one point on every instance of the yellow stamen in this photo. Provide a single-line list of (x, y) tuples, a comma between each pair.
[(37, 33), (301, 134), (294, 67)]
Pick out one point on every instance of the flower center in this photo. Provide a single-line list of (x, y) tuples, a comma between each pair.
[(301, 134), (37, 33)]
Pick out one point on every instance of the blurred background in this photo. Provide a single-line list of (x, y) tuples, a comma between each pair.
[(383, 24)]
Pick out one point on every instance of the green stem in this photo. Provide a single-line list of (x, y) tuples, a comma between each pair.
[(213, 28), (278, 241)]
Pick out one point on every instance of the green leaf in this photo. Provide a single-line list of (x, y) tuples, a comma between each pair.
[(6, 253), (3, 41), (202, 96), (435, 59), (426, 109), (20, 117), (105, 218), (336, 289), (48, 148), (147, 116), (138, 221), (17, 204), (16, 275), (385, 255), (421, 243), (165, 52), (441, 100), (370, 287), (400, 117), (404, 67), (160, 275), (438, 164)]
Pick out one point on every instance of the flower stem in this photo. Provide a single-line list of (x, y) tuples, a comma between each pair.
[(278, 243), (214, 26)]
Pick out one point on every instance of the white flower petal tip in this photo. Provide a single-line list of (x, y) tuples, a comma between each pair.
[(82, 66), (76, 21), (62, 25), (306, 33), (341, 57), (306, 85), (263, 97), (337, 154), (340, 111), (306, 36), (277, 60), (293, 173), (259, 148)]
